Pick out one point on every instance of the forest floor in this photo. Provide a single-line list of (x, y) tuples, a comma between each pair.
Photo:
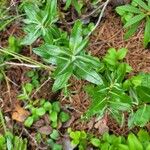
[(108, 34)]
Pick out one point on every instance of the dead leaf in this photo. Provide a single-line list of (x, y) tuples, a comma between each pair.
[(20, 114), (45, 130), (102, 127)]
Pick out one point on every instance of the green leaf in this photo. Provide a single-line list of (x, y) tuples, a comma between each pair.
[(54, 135), (123, 147), (64, 116), (146, 32), (134, 143), (84, 71), (29, 121), (90, 60), (75, 38), (40, 111), (145, 79), (96, 142), (127, 8), (142, 4), (57, 147), (31, 37), (77, 5), (143, 136), (53, 116), (134, 20), (47, 106), (61, 81), (143, 93), (28, 87), (121, 53), (142, 116), (68, 3), (56, 106), (133, 28), (111, 57)]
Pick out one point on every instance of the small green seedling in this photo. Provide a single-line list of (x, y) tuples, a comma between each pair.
[(34, 76), (78, 139), (52, 109), (52, 141), (27, 90)]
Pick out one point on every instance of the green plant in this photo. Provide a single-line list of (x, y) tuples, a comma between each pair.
[(13, 46), (8, 140), (107, 141), (71, 59), (40, 22), (118, 95), (76, 4), (78, 139), (133, 14), (52, 109), (26, 92), (54, 136), (141, 141)]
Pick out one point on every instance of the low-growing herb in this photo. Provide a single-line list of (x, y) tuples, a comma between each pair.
[(54, 111), (133, 14), (71, 59), (119, 95)]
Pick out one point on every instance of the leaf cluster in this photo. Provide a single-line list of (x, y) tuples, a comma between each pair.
[(8, 141), (82, 140), (40, 22), (141, 141), (71, 59), (53, 110), (117, 94), (133, 14)]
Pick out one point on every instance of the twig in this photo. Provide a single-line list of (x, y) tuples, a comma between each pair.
[(33, 139), (22, 64), (84, 16), (40, 87), (8, 87), (100, 17)]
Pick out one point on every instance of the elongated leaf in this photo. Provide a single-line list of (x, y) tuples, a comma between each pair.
[(142, 116), (51, 50), (61, 81), (131, 30), (88, 74), (128, 8), (63, 66), (134, 143), (81, 46), (121, 53), (31, 37), (142, 4), (90, 60), (76, 37), (31, 11), (77, 5), (143, 93), (147, 32), (134, 20), (68, 3)]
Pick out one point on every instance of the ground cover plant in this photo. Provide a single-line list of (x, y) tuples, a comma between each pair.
[(132, 16), (57, 93)]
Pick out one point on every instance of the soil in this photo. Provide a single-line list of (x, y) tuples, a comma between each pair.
[(108, 34)]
